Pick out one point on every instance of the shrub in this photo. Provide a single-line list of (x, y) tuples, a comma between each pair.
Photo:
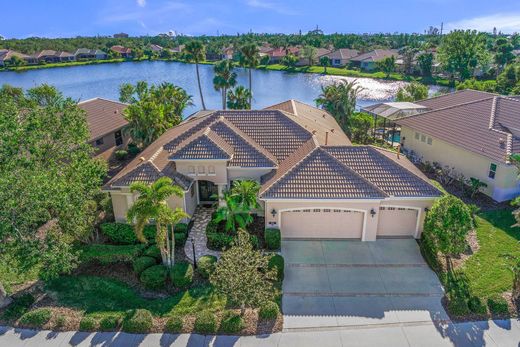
[(154, 277), (182, 274), (231, 323), (59, 321), (457, 305), (109, 323), (18, 307), (110, 254), (88, 323), (498, 305), (206, 265), (142, 263), (123, 233), (219, 241), (277, 262), (476, 306), (121, 154), (154, 252), (272, 238), (205, 322), (36, 318), (180, 240), (181, 228), (138, 321), (133, 150), (212, 227), (269, 310), (174, 324), (254, 241)]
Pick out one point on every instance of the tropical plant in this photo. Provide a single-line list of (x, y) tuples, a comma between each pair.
[(425, 62), (508, 82), (152, 109), (387, 65), (233, 213), (309, 53), (339, 99), (503, 52), (195, 52), (408, 53), (245, 192), (412, 92), (238, 99), (243, 275), (290, 61), (325, 62), (447, 225), (249, 58), (360, 125), (475, 185), (151, 205), (224, 78)]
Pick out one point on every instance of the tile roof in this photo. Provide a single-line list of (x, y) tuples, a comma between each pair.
[(343, 53), (482, 123), (103, 116), (376, 55), (207, 145)]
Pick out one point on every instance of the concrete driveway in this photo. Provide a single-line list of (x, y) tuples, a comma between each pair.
[(341, 283)]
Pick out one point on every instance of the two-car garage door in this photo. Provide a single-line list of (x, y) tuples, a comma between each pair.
[(322, 223)]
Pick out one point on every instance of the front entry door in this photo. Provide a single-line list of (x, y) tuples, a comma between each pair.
[(208, 191)]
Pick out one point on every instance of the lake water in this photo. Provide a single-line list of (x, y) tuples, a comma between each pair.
[(269, 87)]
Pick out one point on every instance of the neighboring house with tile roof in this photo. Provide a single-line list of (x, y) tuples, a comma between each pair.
[(368, 61), (125, 52), (105, 122), (471, 131), (6, 55), (314, 183), (341, 57), (86, 54)]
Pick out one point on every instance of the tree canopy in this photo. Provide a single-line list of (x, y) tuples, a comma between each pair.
[(412, 92)]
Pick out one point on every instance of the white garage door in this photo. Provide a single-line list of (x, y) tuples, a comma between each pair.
[(394, 221), (322, 223)]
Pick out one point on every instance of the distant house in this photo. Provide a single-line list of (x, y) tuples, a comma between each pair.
[(177, 49), (156, 48), (48, 56), (265, 48), (105, 122), (6, 55), (277, 54), (65, 56), (319, 52), (120, 35), (124, 51), (367, 61), (341, 57), (87, 54), (228, 53)]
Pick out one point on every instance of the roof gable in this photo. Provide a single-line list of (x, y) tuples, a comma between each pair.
[(205, 146), (103, 116)]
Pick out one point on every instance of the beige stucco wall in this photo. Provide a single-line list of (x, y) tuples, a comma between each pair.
[(253, 174), (219, 166), (107, 149), (503, 187), (371, 223)]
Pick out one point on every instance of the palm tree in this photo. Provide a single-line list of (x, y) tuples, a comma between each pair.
[(224, 78), (195, 52), (249, 58), (150, 206), (324, 61), (233, 213), (246, 193), (239, 99), (339, 99)]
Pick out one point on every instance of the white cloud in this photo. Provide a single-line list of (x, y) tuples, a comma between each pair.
[(271, 6), (504, 22), (141, 3)]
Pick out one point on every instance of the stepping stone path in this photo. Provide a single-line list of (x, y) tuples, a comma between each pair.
[(201, 218)]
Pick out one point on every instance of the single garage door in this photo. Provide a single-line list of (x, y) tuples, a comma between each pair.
[(397, 221), (322, 223)]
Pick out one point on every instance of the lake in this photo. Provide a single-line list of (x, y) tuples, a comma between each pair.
[(269, 87)]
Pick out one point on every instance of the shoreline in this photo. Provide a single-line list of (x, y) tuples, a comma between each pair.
[(331, 71)]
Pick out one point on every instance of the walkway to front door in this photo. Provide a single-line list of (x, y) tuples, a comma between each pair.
[(201, 218)]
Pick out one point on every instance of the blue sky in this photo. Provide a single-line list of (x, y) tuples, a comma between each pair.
[(60, 18)]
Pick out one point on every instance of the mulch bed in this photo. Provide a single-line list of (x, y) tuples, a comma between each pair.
[(257, 228)]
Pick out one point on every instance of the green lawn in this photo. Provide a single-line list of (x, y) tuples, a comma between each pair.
[(489, 270), (97, 295)]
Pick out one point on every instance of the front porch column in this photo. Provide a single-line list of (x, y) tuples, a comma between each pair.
[(221, 189)]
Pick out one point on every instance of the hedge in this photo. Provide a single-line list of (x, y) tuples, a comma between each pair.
[(174, 324), (182, 275), (109, 323), (206, 265), (205, 322), (154, 277), (277, 262), (122, 233), (154, 252), (138, 321), (498, 305), (231, 323), (110, 254), (88, 323), (36, 318), (219, 241), (269, 310), (272, 238), (142, 263), (18, 307)]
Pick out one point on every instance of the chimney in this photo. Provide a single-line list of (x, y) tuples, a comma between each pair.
[(326, 138)]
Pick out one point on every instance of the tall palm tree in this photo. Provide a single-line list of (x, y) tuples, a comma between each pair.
[(224, 78), (239, 99), (151, 206), (195, 52), (339, 99), (249, 58)]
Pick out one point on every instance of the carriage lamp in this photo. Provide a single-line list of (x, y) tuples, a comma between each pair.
[(372, 212), (273, 212), (426, 209)]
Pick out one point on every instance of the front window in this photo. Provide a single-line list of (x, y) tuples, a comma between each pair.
[(492, 171), (99, 142), (211, 170), (119, 138), (201, 170)]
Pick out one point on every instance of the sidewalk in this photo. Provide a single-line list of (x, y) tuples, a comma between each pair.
[(504, 333)]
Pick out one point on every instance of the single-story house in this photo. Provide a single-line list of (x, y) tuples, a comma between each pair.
[(48, 56), (177, 49), (124, 51), (472, 132), (85, 54), (319, 52), (6, 55), (277, 54), (65, 56), (106, 122), (314, 182), (156, 48), (341, 57), (367, 61)]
